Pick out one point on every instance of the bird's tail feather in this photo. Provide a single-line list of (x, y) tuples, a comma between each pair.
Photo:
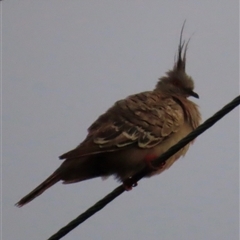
[(51, 180)]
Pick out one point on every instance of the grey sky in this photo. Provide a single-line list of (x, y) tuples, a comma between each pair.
[(66, 62)]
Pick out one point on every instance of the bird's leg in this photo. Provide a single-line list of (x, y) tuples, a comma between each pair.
[(149, 158), (128, 184)]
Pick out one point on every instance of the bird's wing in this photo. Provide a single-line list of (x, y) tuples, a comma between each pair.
[(145, 119)]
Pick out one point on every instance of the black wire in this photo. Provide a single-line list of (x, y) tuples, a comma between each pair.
[(157, 162)]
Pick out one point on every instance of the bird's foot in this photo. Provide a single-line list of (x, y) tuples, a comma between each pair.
[(128, 184), (148, 159)]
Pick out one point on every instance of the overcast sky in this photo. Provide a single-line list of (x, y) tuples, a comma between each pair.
[(65, 63)]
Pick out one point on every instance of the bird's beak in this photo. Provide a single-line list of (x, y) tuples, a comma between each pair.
[(193, 94)]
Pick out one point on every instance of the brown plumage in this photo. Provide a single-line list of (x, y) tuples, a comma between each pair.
[(142, 126)]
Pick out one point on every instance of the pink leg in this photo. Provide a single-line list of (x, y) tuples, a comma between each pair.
[(149, 158), (129, 184)]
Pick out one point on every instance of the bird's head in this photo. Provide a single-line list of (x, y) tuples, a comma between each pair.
[(176, 80)]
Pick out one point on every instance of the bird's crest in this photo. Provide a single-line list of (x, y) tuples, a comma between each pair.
[(180, 62)]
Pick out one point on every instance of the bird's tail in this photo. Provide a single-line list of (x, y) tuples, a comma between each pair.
[(51, 180)]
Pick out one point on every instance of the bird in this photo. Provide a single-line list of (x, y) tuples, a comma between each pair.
[(133, 132)]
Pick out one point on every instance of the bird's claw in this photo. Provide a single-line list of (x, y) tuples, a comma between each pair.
[(148, 159), (128, 184)]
